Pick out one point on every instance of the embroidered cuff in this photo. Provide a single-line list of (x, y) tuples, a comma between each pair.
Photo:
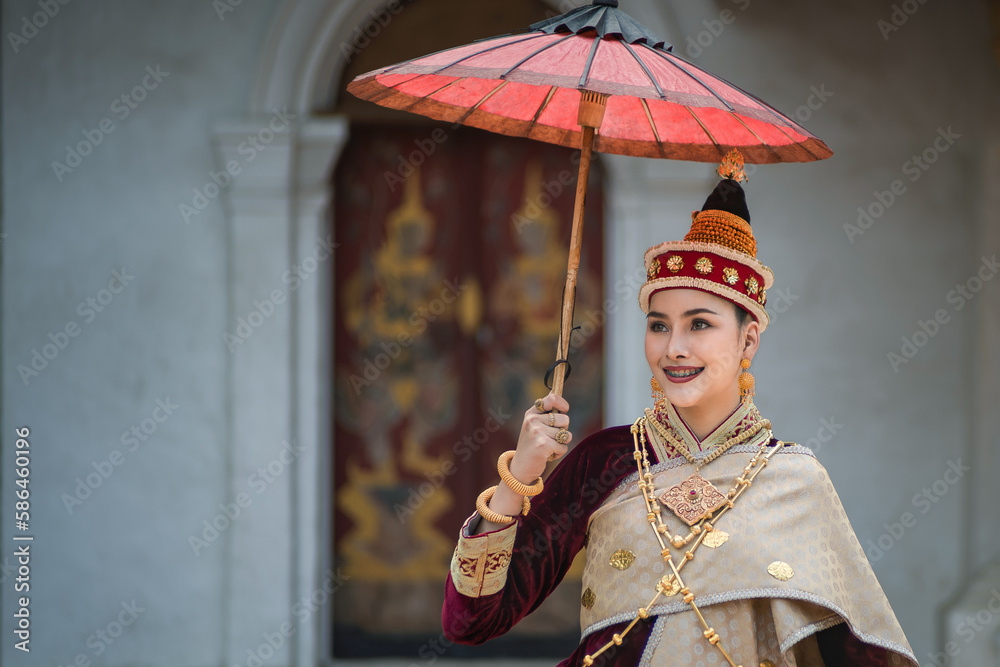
[(479, 565)]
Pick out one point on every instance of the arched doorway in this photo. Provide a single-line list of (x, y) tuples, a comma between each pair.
[(446, 310), (278, 214)]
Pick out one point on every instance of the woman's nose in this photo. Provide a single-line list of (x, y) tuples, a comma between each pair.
[(677, 346)]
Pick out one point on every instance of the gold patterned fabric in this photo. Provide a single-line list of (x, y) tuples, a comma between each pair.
[(791, 515), (747, 628), (479, 564)]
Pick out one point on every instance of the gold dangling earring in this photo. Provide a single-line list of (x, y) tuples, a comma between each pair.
[(659, 398), (746, 381)]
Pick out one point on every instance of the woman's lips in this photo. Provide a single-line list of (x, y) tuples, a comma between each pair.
[(687, 373)]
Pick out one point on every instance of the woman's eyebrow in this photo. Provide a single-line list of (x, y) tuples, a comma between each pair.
[(689, 313), (698, 311)]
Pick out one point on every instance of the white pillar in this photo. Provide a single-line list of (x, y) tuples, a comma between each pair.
[(279, 265)]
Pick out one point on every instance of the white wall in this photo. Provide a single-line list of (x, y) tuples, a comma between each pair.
[(824, 358), (160, 338)]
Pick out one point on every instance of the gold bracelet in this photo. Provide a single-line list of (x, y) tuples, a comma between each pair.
[(488, 514), (503, 467)]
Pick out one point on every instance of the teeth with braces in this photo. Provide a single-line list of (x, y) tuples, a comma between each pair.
[(683, 374)]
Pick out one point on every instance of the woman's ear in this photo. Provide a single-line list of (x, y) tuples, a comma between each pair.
[(751, 339)]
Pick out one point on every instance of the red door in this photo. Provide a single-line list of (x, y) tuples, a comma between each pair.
[(448, 283)]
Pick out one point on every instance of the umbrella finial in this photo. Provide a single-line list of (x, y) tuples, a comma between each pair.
[(605, 19)]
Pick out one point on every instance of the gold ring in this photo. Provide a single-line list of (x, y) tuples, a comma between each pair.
[(538, 404), (562, 436), (552, 419)]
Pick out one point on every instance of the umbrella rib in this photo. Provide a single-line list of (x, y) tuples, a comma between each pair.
[(428, 55), (700, 82), (801, 144), (705, 129), (552, 91), (782, 130), (762, 142), (447, 85), (429, 95), (780, 127), (740, 121), (477, 104), (649, 117), (487, 49), (764, 105), (533, 54), (450, 48), (649, 75), (771, 110), (590, 62)]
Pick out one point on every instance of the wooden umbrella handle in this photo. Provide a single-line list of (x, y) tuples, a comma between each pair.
[(573, 265), (589, 117)]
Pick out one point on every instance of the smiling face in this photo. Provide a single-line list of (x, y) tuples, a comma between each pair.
[(694, 346)]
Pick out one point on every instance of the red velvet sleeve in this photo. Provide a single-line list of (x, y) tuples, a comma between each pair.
[(546, 541)]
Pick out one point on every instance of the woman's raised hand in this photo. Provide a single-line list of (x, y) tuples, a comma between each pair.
[(544, 437)]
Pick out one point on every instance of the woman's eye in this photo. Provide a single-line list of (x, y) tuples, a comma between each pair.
[(700, 324), (657, 326)]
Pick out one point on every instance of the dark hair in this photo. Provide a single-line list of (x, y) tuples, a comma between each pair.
[(742, 316)]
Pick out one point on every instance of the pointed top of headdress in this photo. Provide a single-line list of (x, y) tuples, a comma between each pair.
[(731, 167)]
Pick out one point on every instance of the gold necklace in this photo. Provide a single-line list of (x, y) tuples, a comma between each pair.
[(671, 583), (718, 451), (696, 497)]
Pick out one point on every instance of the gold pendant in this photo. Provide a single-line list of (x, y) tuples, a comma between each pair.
[(693, 499), (715, 539)]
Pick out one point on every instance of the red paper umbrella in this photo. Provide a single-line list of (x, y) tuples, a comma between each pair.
[(594, 79)]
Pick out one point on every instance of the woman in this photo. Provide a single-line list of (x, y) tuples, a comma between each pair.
[(707, 540)]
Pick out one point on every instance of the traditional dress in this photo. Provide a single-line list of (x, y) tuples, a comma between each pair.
[(825, 608), (770, 571)]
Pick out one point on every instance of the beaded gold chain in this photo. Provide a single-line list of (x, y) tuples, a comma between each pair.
[(740, 438), (676, 540), (671, 583)]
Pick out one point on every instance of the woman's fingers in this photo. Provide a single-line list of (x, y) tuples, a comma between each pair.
[(558, 454), (554, 420), (560, 435), (549, 403), (545, 426), (544, 437)]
